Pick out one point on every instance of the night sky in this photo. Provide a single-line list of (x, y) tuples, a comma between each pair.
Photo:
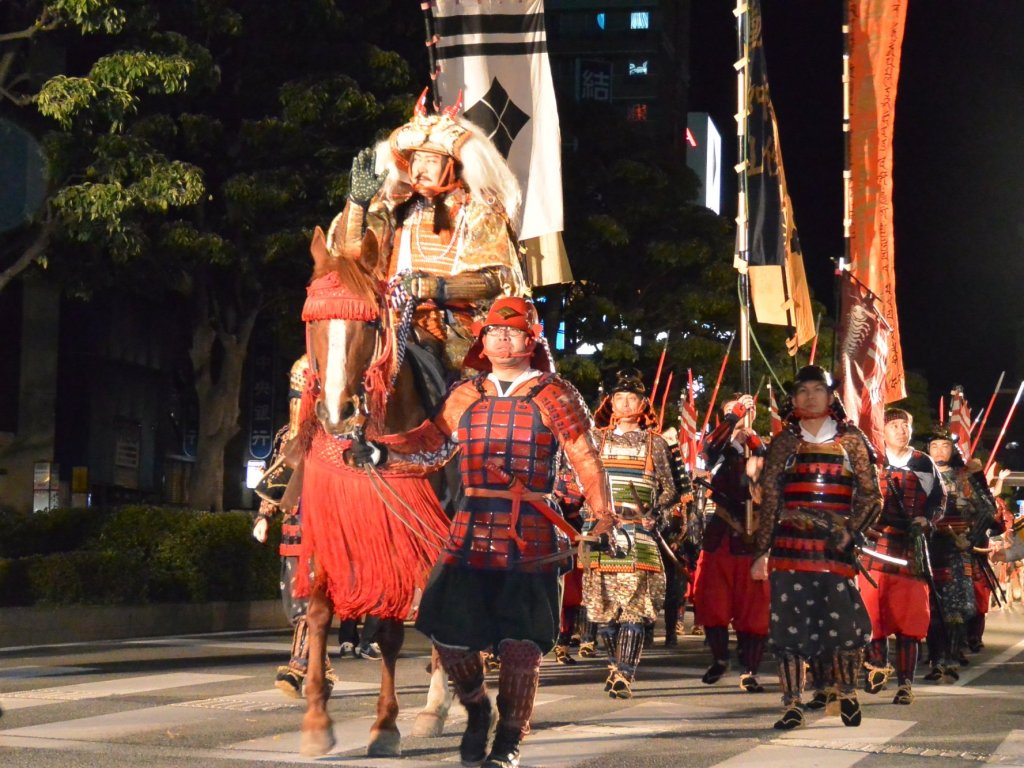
[(959, 223)]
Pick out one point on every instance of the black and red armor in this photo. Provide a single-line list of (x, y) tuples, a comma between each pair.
[(730, 487), (913, 489), (817, 487), (509, 520)]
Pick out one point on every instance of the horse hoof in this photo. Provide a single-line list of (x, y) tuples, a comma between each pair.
[(428, 725), (384, 744), (316, 743)]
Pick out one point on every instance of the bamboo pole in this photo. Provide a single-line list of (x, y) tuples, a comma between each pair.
[(988, 410), (1002, 432)]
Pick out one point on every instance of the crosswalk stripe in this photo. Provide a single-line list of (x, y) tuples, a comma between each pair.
[(352, 733), (1011, 751), (34, 672), (122, 686), (803, 748)]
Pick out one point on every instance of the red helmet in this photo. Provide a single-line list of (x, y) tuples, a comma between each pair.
[(510, 312)]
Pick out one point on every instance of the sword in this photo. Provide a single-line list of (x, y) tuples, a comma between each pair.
[(883, 557)]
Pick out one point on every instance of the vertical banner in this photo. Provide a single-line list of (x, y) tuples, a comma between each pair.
[(864, 345), (495, 52), (876, 40), (778, 285), (261, 404)]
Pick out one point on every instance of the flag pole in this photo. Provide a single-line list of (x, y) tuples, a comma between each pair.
[(814, 344), (430, 42), (657, 376), (843, 263), (988, 410), (664, 402), (1002, 432), (742, 66), (718, 383)]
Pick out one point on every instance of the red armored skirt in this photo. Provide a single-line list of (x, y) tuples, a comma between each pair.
[(373, 540)]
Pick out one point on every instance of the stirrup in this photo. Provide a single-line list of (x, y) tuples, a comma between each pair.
[(792, 718), (849, 709)]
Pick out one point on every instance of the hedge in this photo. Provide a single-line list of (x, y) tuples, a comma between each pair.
[(134, 555)]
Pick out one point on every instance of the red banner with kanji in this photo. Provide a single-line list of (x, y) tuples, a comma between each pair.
[(876, 40)]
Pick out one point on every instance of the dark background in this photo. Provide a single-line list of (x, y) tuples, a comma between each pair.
[(958, 218)]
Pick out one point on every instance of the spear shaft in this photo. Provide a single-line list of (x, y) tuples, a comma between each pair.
[(988, 410)]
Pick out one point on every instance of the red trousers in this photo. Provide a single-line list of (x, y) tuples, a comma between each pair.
[(723, 592), (897, 606), (982, 591)]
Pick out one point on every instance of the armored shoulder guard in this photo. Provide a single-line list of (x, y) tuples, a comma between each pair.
[(562, 403)]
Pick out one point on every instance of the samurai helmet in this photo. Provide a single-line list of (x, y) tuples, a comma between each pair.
[(440, 133)]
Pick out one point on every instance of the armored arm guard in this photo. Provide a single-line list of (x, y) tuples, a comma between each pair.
[(779, 451), (867, 498), (565, 413), (474, 286), (668, 493)]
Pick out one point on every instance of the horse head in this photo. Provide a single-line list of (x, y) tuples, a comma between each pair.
[(347, 338)]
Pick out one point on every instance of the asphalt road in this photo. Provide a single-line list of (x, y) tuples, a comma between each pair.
[(208, 700)]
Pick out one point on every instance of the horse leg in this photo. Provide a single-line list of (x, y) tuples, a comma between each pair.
[(430, 720), (385, 739), (317, 728)]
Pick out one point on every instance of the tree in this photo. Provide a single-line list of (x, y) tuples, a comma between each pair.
[(650, 262), (91, 108), (271, 137)]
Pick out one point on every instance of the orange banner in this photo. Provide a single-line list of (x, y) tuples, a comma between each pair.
[(876, 39)]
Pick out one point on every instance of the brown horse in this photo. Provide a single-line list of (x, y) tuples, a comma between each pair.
[(372, 535)]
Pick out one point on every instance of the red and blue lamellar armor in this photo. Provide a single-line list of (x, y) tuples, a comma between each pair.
[(509, 450), (909, 491)]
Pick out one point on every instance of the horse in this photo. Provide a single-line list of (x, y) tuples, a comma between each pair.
[(371, 534)]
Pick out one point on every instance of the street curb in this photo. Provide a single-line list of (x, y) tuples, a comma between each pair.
[(84, 623)]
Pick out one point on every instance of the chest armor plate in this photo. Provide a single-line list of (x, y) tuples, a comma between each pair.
[(427, 251), (818, 476), (507, 433), (627, 464), (908, 485)]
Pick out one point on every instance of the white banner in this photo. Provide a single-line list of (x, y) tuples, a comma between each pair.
[(495, 51)]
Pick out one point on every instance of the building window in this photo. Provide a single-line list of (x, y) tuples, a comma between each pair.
[(638, 113), (638, 68), (640, 20), (600, 21)]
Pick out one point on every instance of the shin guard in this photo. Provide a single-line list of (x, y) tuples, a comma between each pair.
[(792, 674), (517, 685), (906, 659), (607, 636), (823, 674), (466, 670), (629, 645), (300, 646), (848, 665)]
